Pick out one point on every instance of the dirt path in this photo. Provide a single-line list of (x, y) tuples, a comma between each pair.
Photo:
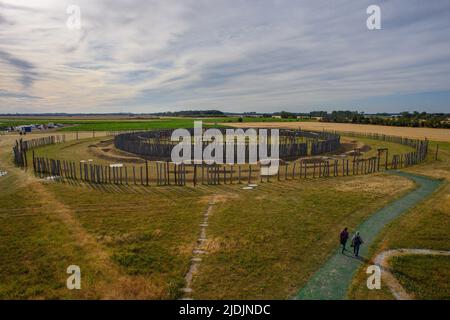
[(382, 260), (198, 251), (332, 280)]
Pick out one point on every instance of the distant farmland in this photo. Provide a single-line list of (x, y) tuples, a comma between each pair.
[(118, 123), (414, 133)]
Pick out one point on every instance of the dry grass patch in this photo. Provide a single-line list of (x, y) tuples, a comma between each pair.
[(375, 183), (269, 241), (414, 133)]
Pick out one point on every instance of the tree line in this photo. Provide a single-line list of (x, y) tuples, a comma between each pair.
[(403, 119)]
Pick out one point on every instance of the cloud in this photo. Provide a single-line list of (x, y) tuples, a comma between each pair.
[(24, 67), (147, 56), (17, 95)]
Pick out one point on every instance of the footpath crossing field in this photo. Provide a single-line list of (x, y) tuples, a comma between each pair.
[(334, 277)]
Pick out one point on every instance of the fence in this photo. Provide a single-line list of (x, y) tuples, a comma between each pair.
[(414, 143), (164, 173), (23, 146), (156, 144)]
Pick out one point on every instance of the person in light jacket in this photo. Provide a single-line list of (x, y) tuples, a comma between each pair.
[(357, 241)]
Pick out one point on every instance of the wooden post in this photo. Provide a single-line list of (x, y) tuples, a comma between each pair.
[(114, 175), (285, 170), (158, 173), (168, 172), (224, 174), (320, 168), (437, 151), (379, 156), (306, 169), (386, 164), (239, 174), (146, 171), (278, 173), (195, 175), (231, 173), (34, 164), (203, 173), (293, 171), (175, 173)]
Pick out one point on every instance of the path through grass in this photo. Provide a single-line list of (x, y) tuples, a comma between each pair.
[(334, 278)]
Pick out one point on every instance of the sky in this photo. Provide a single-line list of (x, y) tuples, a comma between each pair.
[(235, 56)]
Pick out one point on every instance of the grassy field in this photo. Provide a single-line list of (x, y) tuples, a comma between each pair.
[(134, 243), (425, 227), (425, 276), (132, 124), (374, 145), (137, 242), (266, 243)]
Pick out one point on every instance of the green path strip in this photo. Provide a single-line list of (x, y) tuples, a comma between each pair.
[(332, 280)]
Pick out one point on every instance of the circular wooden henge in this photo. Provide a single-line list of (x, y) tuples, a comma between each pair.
[(157, 144)]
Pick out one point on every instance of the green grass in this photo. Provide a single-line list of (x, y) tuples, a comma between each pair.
[(426, 276), (147, 236), (123, 125), (425, 227), (266, 243), (149, 233), (263, 243), (264, 238), (114, 125), (129, 242), (394, 148), (36, 248)]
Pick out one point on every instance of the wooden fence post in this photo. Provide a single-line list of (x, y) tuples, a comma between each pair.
[(239, 174), (146, 171), (195, 175)]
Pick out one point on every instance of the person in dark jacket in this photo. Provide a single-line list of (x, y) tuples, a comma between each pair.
[(357, 241), (343, 238)]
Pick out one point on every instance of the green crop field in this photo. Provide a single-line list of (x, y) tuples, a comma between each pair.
[(133, 124)]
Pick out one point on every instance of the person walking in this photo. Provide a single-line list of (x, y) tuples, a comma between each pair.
[(357, 241), (343, 238)]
